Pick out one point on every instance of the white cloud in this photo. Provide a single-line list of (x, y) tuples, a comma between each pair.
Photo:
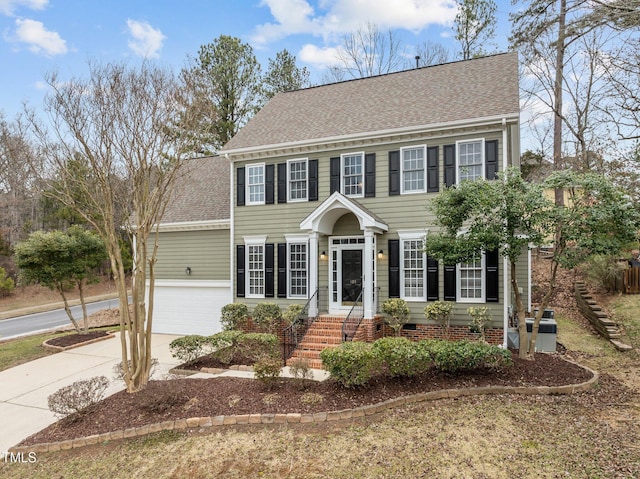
[(39, 39), (7, 7), (318, 57), (336, 17), (146, 41)]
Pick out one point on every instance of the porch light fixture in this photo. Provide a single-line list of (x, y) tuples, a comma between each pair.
[(323, 255), (188, 270), (380, 254)]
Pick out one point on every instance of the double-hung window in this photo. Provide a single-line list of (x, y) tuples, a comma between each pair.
[(298, 180), (471, 280), (255, 184), (352, 174), (297, 255), (470, 160), (413, 262), (255, 266), (414, 169)]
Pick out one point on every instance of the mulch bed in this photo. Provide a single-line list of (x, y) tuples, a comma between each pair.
[(76, 339), (183, 398)]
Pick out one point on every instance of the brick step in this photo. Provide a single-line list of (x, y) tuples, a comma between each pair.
[(307, 354), (320, 339), (316, 347), (326, 327)]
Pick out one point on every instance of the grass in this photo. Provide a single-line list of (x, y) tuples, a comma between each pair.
[(627, 313), (21, 350)]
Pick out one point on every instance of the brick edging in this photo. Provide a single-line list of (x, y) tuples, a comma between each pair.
[(59, 349), (299, 418)]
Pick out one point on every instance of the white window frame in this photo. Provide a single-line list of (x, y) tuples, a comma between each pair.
[(424, 170), (483, 283), (289, 179), (249, 185), (412, 235), (343, 177), (482, 156), (254, 241)]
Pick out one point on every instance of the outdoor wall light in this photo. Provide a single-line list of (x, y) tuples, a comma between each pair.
[(188, 270), (380, 254), (323, 255)]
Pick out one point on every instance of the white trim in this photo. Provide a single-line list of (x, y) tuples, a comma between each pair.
[(337, 307), (288, 182), (304, 242), (482, 155), (247, 185), (424, 169), (342, 185), (466, 123), (296, 237), (232, 247), (483, 285), (415, 237), (192, 283), (258, 239), (195, 225), (247, 290), (412, 234)]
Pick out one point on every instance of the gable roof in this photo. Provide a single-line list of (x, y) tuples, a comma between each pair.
[(484, 87), (201, 192)]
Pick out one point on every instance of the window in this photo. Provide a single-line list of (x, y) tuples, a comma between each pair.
[(471, 281), (255, 184), (297, 270), (413, 270), (255, 269), (352, 174), (470, 160), (413, 169), (297, 177)]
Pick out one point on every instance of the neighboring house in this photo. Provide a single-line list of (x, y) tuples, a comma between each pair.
[(330, 188), (193, 279)]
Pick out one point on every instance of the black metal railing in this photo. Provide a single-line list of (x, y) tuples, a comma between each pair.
[(293, 334), (353, 319)]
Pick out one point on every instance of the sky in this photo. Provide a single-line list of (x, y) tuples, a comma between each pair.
[(38, 37)]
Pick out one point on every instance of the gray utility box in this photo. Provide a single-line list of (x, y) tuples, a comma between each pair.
[(547, 335)]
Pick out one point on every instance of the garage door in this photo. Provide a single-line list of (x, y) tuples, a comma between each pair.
[(189, 307)]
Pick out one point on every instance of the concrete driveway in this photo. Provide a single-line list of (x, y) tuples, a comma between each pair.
[(24, 389)]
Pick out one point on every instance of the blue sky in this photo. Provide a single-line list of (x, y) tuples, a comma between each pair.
[(41, 36)]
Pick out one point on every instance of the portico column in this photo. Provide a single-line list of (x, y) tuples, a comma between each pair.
[(367, 280), (313, 272)]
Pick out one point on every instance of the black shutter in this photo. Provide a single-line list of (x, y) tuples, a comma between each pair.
[(282, 270), (370, 175), (269, 183), (268, 270), (450, 282), (240, 186), (282, 182), (240, 278), (432, 279), (433, 178), (492, 280), (394, 173), (313, 180), (449, 165), (334, 174), (491, 159), (394, 268)]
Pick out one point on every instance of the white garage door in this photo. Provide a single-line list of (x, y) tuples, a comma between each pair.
[(189, 307)]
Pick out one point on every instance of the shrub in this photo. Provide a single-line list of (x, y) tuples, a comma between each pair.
[(291, 314), (77, 397), (233, 315), (188, 348), (440, 312), (159, 403), (401, 356), (458, 356), (6, 283), (397, 313), (481, 320), (118, 370), (259, 345), (267, 316), (224, 345), (603, 271), (301, 371), (267, 370), (351, 364)]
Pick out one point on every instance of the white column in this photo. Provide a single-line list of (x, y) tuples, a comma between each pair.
[(367, 271), (313, 272)]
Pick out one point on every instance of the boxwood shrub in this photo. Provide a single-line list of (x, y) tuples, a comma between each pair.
[(452, 357), (401, 356), (351, 364)]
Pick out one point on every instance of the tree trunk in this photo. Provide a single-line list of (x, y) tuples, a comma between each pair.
[(522, 325), (67, 309), (557, 94), (543, 305), (85, 319)]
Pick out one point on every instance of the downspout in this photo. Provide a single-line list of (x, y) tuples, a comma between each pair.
[(505, 261), (231, 227)]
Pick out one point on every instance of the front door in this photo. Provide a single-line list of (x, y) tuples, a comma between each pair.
[(351, 276)]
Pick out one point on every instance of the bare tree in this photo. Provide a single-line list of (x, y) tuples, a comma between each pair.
[(474, 26), (116, 123), (367, 52), (429, 53)]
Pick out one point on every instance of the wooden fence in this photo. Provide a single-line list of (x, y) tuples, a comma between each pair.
[(632, 280)]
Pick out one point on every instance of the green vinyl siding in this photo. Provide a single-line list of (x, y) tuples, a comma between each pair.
[(206, 252)]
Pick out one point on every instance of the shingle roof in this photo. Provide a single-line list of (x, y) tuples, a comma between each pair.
[(478, 88), (201, 191)]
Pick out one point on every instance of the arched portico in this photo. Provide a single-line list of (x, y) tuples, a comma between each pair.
[(321, 222)]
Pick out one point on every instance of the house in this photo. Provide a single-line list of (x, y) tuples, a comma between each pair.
[(330, 187)]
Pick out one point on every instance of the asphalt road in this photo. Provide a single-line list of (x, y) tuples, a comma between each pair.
[(33, 323)]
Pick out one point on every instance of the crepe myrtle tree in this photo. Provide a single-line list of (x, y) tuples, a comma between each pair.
[(512, 215)]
